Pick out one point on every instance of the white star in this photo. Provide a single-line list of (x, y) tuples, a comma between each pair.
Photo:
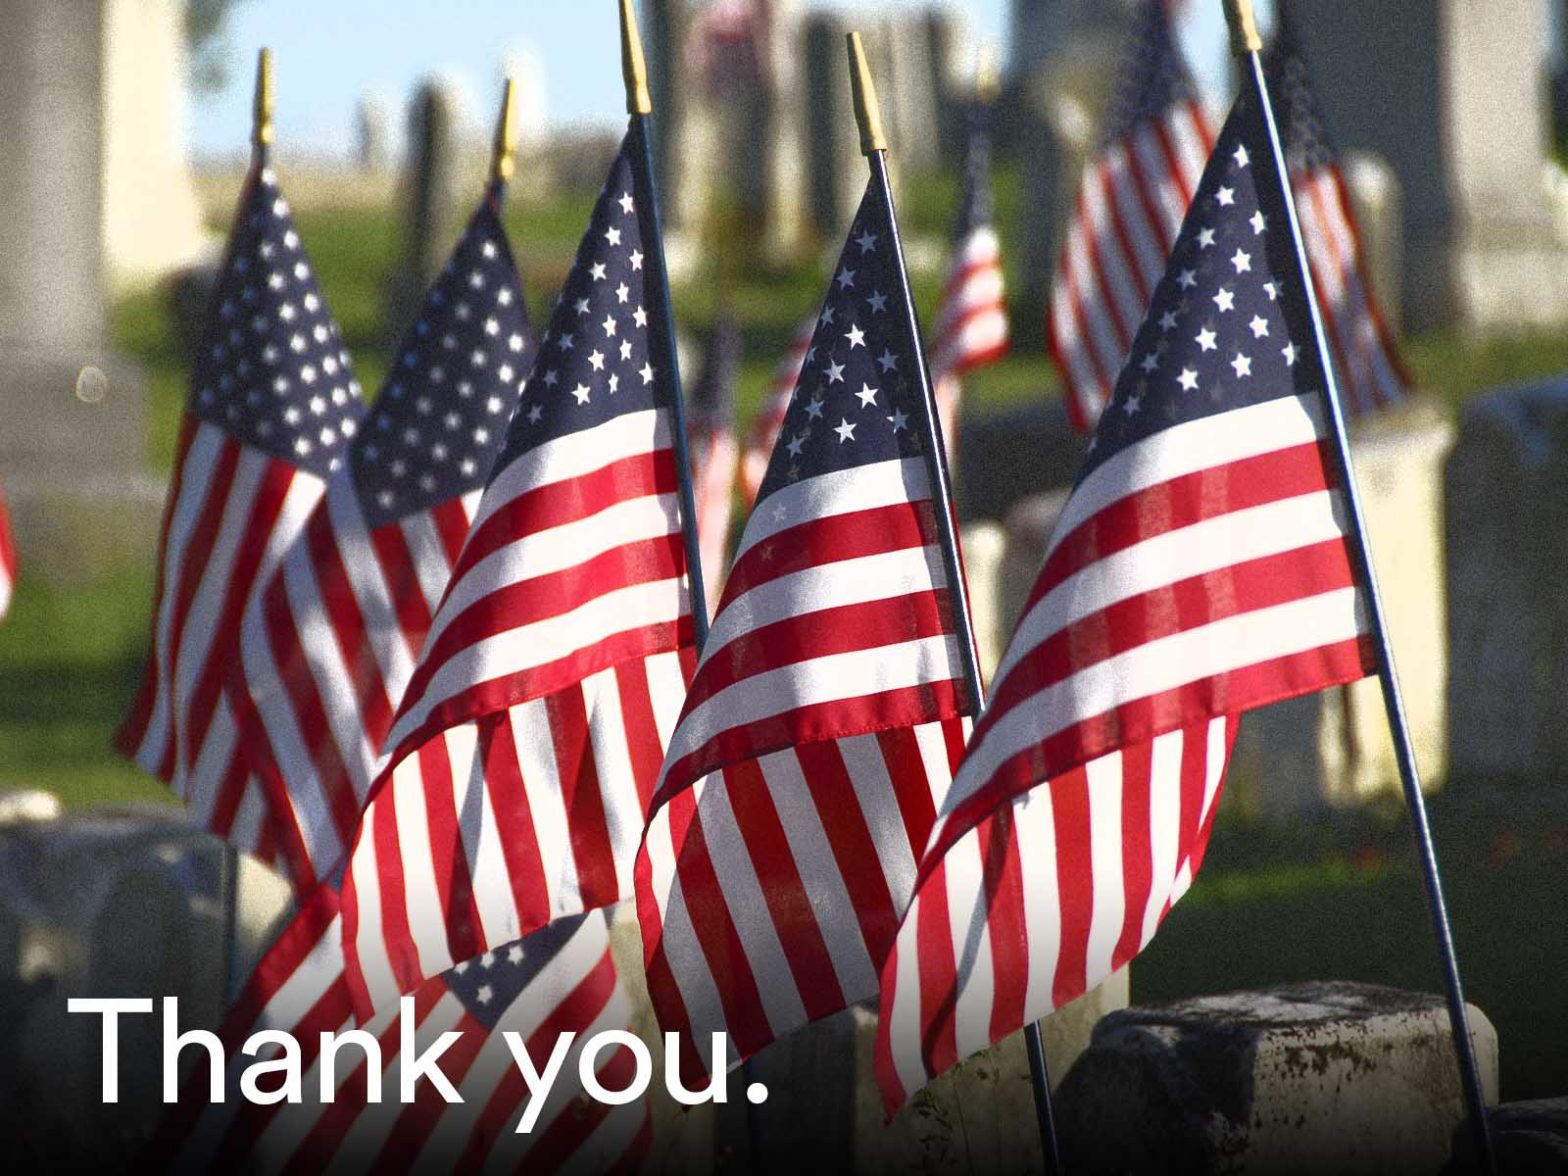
[(626, 348), (581, 306), (566, 342), (1242, 364), (845, 278), (898, 420), (1242, 261), (867, 242), (1131, 404), (627, 203), (646, 373), (550, 379), (1271, 290), (492, 327), (1225, 300), (1168, 321), (856, 337), (1226, 196), (597, 360), (1205, 238), (581, 392), (515, 955), (835, 373), (1241, 156), (796, 444), (877, 302), (609, 324), (1187, 279), (1149, 362), (489, 249), (504, 296), (826, 317), (622, 292), (476, 280), (1188, 379), (888, 360), (515, 342), (1205, 339), (485, 995), (612, 235), (814, 409), (640, 317), (636, 259), (596, 271), (1289, 352), (1258, 223), (534, 413), (615, 383), (1259, 325), (845, 431), (868, 395)]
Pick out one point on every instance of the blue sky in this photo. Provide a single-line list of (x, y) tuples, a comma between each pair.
[(330, 52)]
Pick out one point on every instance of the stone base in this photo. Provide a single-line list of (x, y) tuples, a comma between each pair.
[(1322, 1077)]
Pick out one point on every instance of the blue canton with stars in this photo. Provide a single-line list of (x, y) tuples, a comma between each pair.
[(856, 401), (598, 359), (489, 984), (271, 369), (441, 420), (1228, 326)]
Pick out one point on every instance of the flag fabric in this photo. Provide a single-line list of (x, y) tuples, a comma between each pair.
[(764, 434), (1370, 374), (273, 407), (561, 979), (825, 716), (7, 557), (1200, 568), (530, 736), (332, 640), (971, 320), (1135, 190), (714, 454)]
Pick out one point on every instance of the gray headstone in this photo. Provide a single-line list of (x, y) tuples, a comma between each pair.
[(429, 199), (908, 89), (951, 59), (1040, 28), (837, 173), (62, 438), (784, 210), (1452, 93), (1322, 1077), (1379, 205), (373, 134)]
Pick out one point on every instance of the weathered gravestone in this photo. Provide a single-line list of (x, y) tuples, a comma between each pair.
[(372, 133), (1506, 499), (1453, 94), (836, 173), (1318, 1077), (429, 200)]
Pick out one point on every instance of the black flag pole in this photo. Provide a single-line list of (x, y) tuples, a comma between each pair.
[(640, 107), (873, 144), (1248, 46)]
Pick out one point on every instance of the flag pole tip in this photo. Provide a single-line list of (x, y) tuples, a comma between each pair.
[(634, 67), (261, 133), (988, 79), (868, 112), (503, 163), (1244, 38)]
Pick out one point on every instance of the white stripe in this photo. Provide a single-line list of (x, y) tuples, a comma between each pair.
[(867, 487), (1106, 781), (1165, 781), (1034, 829), (431, 564), (426, 920), (883, 816), (369, 937), (967, 905), (1147, 251), (535, 738), (483, 855), (612, 762)]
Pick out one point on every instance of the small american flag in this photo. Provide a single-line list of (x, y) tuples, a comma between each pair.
[(273, 407), (714, 454), (1200, 568), (559, 980), (1365, 358), (971, 320), (530, 736), (764, 434), (824, 718), (7, 557), (1134, 193), (331, 642)]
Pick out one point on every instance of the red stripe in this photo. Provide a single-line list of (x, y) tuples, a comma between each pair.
[(1006, 923), (507, 797), (1075, 882), (906, 769), (405, 594), (1133, 258), (938, 971), (644, 748), (1137, 766), (450, 519), (449, 862), (582, 798)]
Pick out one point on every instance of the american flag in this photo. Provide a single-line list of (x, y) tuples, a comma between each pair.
[(7, 557), (1134, 193), (1365, 358), (272, 410), (714, 454), (824, 719), (332, 640), (559, 980), (971, 320), (1200, 568), (764, 434), (530, 736)]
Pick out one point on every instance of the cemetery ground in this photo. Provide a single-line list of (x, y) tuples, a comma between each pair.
[(1332, 898)]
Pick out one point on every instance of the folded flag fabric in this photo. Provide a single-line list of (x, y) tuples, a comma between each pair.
[(764, 434), (1200, 568), (8, 564)]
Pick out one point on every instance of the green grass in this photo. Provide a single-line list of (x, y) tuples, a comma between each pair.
[(1339, 900)]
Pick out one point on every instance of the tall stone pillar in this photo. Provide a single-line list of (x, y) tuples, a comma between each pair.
[(1453, 94), (70, 415)]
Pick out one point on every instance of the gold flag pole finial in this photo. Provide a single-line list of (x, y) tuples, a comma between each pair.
[(503, 162), (868, 113), (261, 134), (634, 67), (1243, 23), (988, 79)]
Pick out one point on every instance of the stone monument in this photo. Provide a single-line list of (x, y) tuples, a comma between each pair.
[(429, 196), (1453, 94)]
